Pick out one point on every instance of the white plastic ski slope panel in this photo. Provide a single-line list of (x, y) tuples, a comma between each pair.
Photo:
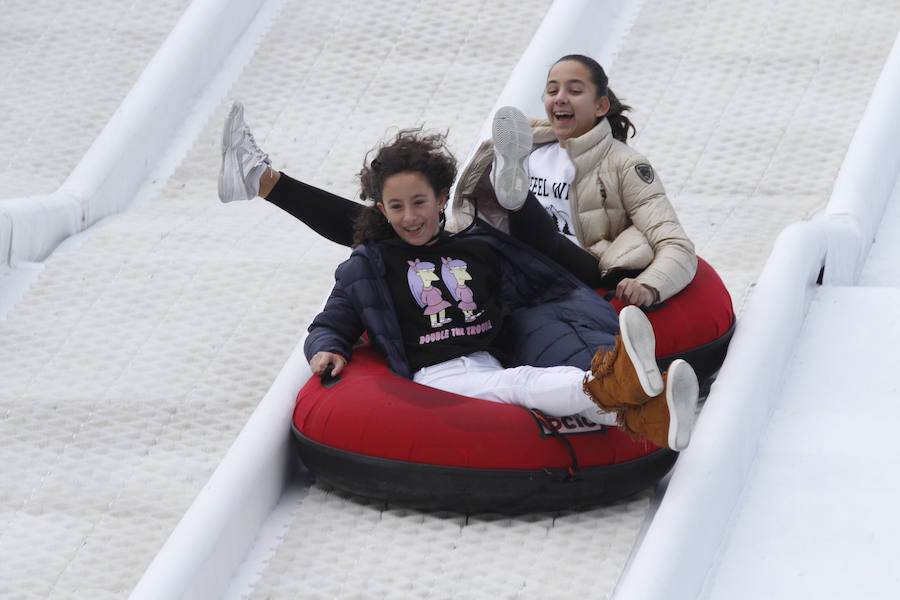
[(818, 514), (64, 69), (338, 547), (882, 266), (816, 518)]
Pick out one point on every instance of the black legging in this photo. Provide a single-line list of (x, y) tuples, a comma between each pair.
[(325, 213), (332, 217), (533, 225)]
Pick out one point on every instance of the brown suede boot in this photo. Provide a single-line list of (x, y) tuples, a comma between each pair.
[(615, 384), (649, 420), (628, 373), (666, 420)]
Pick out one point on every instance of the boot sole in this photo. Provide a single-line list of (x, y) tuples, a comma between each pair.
[(640, 344), (682, 395), (513, 140)]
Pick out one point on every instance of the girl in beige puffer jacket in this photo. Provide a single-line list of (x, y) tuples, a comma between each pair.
[(615, 225)]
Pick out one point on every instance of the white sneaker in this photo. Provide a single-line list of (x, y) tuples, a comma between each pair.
[(513, 139), (640, 345), (243, 163), (682, 395)]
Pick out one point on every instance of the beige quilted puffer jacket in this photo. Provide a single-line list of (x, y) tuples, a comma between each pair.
[(620, 210)]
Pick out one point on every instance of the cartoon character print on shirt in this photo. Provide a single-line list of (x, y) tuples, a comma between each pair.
[(456, 321), (420, 275), (455, 275)]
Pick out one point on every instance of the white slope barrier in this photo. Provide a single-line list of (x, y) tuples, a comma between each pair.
[(212, 538), (683, 541), (591, 27), (220, 526), (138, 135)]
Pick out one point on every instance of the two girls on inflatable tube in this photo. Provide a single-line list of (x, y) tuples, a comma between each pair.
[(519, 329)]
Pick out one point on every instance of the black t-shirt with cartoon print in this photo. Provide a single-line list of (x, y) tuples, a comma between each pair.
[(445, 296)]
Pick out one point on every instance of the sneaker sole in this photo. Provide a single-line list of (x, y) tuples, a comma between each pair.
[(640, 344), (513, 140), (226, 186), (682, 395)]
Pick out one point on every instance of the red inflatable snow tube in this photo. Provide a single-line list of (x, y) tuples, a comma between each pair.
[(378, 435), (695, 324)]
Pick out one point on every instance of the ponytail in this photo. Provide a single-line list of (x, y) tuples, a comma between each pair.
[(618, 122)]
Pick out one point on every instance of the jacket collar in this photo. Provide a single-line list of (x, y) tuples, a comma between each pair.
[(601, 134)]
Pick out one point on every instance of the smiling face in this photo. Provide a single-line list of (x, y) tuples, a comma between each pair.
[(571, 101), (410, 205)]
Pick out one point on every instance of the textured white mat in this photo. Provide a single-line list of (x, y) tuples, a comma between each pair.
[(747, 109), (64, 69)]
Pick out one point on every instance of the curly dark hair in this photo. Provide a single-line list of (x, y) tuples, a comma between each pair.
[(618, 122), (411, 150)]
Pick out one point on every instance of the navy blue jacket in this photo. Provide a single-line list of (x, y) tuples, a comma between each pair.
[(554, 318)]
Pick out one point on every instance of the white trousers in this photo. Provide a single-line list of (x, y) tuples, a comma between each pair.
[(556, 391)]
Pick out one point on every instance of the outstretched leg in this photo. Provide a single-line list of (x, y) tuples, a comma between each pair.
[(528, 220), (325, 213), (532, 225), (555, 391), (246, 172)]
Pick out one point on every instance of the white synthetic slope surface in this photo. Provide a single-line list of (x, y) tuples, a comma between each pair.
[(818, 518), (64, 69), (132, 363)]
